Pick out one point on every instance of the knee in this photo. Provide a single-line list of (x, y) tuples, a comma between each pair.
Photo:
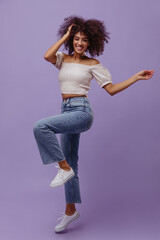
[(36, 127)]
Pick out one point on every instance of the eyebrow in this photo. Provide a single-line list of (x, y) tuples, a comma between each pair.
[(83, 38)]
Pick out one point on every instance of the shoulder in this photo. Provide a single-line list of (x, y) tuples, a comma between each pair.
[(94, 61), (86, 60)]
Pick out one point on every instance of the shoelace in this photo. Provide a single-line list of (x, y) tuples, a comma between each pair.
[(61, 216)]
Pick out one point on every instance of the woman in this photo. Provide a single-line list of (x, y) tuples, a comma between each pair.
[(76, 71)]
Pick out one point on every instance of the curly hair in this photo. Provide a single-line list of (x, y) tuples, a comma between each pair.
[(94, 29)]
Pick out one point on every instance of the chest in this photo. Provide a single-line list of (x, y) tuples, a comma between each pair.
[(75, 72)]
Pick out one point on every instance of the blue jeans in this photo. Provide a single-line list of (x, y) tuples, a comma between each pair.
[(76, 117)]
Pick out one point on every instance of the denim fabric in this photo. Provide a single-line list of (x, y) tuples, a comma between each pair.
[(76, 117)]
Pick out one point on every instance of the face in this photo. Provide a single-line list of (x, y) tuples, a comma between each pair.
[(80, 43)]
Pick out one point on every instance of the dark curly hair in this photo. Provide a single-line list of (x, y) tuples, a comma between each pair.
[(94, 29)]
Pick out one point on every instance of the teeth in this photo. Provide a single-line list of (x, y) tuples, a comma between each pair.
[(79, 48)]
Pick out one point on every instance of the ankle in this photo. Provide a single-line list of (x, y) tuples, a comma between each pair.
[(66, 168), (64, 165), (70, 209), (70, 212)]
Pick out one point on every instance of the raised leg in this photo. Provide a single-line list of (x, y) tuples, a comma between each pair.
[(45, 131)]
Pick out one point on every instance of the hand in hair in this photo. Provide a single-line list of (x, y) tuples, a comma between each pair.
[(70, 29)]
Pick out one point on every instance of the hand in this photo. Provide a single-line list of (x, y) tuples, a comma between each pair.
[(69, 29), (144, 74)]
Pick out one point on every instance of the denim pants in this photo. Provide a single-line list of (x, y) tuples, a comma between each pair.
[(76, 117)]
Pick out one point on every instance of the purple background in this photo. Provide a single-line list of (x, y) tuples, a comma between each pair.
[(119, 156)]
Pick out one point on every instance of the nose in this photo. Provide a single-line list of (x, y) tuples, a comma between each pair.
[(80, 42)]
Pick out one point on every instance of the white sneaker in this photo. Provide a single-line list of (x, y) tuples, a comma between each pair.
[(62, 177), (66, 220)]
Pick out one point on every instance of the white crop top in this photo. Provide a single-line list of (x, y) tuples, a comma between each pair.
[(75, 78)]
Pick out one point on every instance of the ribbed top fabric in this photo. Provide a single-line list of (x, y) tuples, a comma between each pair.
[(75, 78)]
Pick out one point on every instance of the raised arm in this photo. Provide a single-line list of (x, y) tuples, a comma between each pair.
[(112, 89), (50, 54)]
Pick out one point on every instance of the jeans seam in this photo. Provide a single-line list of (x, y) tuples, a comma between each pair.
[(48, 142), (71, 161)]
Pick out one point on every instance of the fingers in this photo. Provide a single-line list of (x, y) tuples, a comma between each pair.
[(70, 27), (147, 72), (73, 24)]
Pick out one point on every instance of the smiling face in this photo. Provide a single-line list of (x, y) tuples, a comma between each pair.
[(80, 43)]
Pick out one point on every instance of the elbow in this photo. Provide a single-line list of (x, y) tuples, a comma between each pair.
[(109, 89), (51, 59), (112, 93), (46, 57)]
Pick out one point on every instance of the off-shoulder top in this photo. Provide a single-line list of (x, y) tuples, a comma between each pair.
[(75, 78)]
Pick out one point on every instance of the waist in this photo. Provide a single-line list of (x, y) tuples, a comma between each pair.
[(65, 96), (76, 100)]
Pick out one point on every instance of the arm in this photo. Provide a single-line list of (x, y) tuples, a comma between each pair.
[(112, 89), (50, 54)]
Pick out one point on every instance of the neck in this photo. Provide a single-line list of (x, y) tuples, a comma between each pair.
[(77, 56)]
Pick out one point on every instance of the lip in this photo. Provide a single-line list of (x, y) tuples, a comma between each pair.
[(79, 48)]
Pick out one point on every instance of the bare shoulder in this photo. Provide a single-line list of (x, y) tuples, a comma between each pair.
[(92, 61), (86, 60)]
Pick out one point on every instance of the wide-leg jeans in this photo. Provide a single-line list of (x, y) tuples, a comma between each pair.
[(76, 117)]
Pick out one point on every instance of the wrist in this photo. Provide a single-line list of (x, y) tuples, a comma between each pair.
[(66, 36), (136, 78)]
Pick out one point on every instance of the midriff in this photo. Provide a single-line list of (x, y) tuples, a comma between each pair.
[(72, 95)]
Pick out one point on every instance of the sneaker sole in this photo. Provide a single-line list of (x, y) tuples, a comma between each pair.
[(63, 228), (67, 179)]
